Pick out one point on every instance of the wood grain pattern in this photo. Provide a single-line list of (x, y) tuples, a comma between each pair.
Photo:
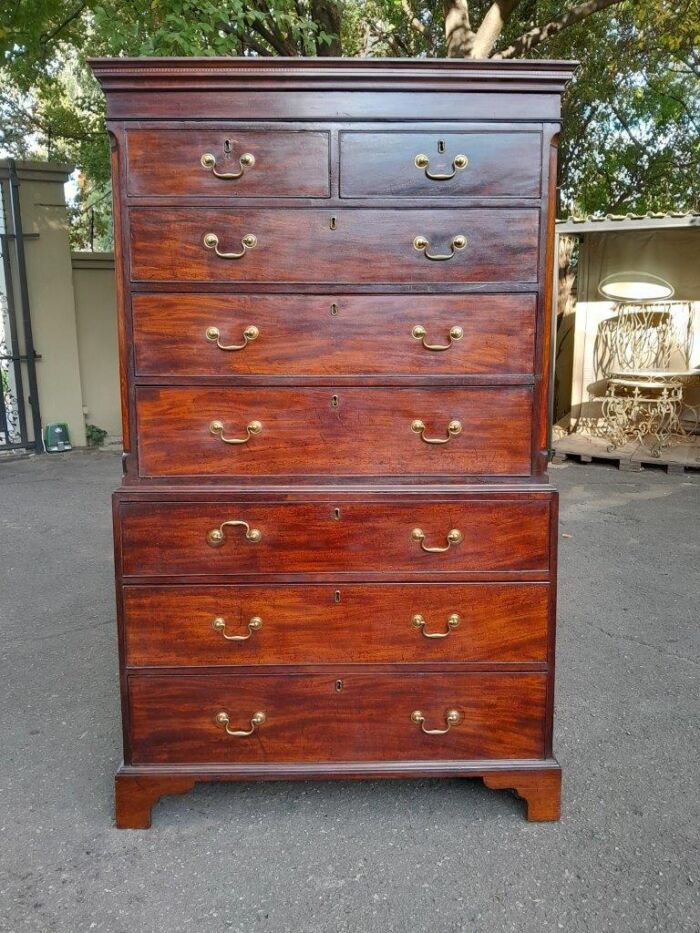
[(288, 164), (306, 336), (135, 795), (345, 431), (541, 790), (298, 245), (335, 287), (498, 534), (537, 781), (382, 164), (365, 717), (335, 624)]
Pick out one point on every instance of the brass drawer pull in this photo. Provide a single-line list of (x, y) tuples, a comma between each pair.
[(252, 428), (453, 429), (421, 243), (458, 163), (452, 718), (453, 537), (216, 536), (419, 333), (222, 719), (251, 333), (219, 625), (211, 241), (419, 622), (247, 160)]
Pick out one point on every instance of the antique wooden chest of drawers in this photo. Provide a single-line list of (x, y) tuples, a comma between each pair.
[(335, 540)]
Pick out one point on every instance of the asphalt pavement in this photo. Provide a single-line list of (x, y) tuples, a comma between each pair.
[(357, 857)]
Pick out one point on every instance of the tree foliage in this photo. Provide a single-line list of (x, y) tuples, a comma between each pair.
[(631, 131)]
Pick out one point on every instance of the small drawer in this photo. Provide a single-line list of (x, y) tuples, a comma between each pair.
[(347, 246), (384, 623), (440, 165), (344, 716), (349, 431), (315, 335), (227, 162), (492, 533)]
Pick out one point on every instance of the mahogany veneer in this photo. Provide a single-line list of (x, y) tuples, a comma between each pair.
[(335, 541)]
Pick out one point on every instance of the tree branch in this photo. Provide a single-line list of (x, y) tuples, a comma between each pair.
[(46, 37), (492, 26), (541, 33), (413, 20), (270, 32), (458, 30)]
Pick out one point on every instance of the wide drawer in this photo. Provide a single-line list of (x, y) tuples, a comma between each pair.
[(440, 165), (243, 537), (228, 162), (262, 431), (328, 624), (347, 246), (346, 716), (313, 335)]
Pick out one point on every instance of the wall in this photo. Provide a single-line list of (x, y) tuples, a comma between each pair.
[(98, 350), (72, 305), (51, 298)]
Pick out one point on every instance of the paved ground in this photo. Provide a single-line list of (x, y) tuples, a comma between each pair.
[(439, 857)]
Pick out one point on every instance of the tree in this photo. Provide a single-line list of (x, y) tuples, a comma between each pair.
[(631, 131)]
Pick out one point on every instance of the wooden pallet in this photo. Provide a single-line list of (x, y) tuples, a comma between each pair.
[(633, 457)]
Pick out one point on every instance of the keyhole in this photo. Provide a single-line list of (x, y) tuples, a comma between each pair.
[(335, 401), (336, 514), (441, 145), (227, 147), (334, 223), (339, 686), (334, 309), (336, 596)]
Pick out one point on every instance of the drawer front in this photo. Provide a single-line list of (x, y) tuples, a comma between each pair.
[(342, 247), (221, 335), (494, 534), (347, 431), (227, 162), (365, 717), (440, 165), (307, 624)]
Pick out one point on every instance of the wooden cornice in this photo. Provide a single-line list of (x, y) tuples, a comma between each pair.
[(290, 74)]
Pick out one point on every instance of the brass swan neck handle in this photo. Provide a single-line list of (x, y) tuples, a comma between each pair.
[(453, 429), (452, 718), (222, 719), (454, 536), (419, 622), (421, 244), (419, 333), (458, 163), (216, 536), (213, 335), (211, 241), (208, 160)]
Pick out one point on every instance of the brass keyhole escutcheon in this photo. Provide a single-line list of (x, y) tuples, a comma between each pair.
[(336, 596), (334, 223), (339, 686), (335, 401), (334, 309), (336, 515)]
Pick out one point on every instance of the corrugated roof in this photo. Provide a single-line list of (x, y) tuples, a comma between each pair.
[(591, 218), (601, 223)]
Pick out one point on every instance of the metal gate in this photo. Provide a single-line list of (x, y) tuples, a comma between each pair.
[(18, 387)]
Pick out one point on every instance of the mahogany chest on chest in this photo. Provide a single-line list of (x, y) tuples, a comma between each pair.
[(335, 540)]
